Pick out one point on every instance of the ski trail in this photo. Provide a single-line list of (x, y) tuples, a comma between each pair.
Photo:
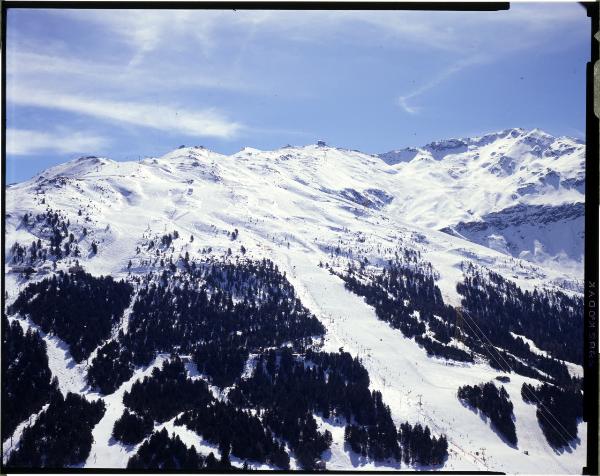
[(70, 374), (12, 442), (107, 452)]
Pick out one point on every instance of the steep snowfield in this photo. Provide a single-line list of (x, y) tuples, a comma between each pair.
[(296, 206), (541, 233)]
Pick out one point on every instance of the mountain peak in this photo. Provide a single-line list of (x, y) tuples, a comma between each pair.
[(195, 152), (79, 166)]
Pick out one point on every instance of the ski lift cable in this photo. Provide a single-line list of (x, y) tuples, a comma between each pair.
[(543, 407), (510, 370), (547, 415), (531, 393), (526, 388)]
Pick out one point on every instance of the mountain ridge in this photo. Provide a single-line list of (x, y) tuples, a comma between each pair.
[(533, 135)]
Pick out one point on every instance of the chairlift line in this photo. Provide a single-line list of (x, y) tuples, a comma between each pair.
[(510, 370)]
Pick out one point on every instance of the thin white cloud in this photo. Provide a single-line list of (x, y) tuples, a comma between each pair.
[(523, 26), (403, 100), (147, 30), (168, 118), (488, 37), (23, 64), (459, 34), (27, 142)]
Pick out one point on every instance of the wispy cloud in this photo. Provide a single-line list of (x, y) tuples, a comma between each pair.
[(145, 31), (26, 142), (461, 35), (403, 100), (167, 118), (523, 26), (478, 38), (23, 64)]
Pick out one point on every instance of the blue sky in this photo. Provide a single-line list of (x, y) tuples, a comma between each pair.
[(130, 84)]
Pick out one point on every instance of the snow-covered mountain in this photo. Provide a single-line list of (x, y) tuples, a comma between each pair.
[(543, 233), (476, 186), (508, 202)]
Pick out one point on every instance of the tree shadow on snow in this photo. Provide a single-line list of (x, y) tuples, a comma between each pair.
[(359, 460)]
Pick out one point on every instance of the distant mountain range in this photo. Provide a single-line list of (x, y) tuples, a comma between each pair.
[(520, 192)]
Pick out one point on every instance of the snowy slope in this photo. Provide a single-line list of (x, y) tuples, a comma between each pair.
[(539, 233), (296, 206)]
